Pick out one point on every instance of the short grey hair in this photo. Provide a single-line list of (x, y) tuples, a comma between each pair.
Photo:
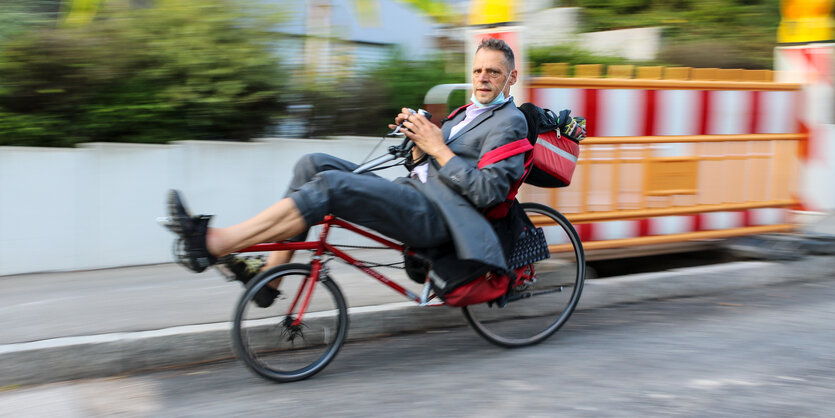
[(494, 44)]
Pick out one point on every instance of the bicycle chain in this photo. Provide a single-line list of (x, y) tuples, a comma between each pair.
[(400, 265)]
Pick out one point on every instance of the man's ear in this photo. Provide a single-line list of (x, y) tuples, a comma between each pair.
[(513, 77)]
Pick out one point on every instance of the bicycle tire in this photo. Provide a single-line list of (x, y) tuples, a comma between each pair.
[(266, 340), (540, 309)]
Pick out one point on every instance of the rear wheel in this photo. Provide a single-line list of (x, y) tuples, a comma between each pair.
[(537, 309), (270, 341)]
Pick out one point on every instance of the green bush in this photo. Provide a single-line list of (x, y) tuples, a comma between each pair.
[(742, 32), (365, 104), (573, 55), (30, 129), (185, 69), (404, 83)]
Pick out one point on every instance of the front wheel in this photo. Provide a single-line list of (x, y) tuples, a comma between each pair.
[(272, 342), (539, 308)]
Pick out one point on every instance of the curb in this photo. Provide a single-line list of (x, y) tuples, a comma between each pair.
[(105, 355)]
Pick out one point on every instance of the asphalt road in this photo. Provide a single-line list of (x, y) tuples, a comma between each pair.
[(758, 352)]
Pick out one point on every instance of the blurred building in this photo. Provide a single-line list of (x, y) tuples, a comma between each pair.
[(544, 25), (342, 36)]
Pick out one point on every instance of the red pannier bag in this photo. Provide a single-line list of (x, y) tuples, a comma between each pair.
[(556, 145), (554, 160), (479, 285), (483, 289)]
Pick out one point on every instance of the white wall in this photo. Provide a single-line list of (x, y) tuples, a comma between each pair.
[(548, 27), (95, 206), (561, 26), (637, 44)]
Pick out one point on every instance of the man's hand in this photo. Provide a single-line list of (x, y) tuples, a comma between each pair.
[(424, 134)]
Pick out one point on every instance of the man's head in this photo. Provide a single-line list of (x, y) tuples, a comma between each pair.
[(494, 70)]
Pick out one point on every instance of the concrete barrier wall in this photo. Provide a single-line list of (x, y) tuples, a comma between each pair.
[(95, 206)]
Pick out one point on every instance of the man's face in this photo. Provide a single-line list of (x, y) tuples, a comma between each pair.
[(490, 72)]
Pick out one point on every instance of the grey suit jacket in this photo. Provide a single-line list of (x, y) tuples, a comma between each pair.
[(462, 191)]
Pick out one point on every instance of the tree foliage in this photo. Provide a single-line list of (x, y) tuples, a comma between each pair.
[(698, 33), (573, 55), (181, 69), (366, 103)]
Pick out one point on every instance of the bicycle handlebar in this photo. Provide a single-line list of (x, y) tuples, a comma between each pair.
[(375, 162), (394, 152)]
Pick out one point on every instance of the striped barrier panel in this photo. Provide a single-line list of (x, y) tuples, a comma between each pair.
[(813, 66), (671, 160)]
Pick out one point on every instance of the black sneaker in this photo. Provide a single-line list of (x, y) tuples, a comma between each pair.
[(266, 296), (190, 251), (244, 269)]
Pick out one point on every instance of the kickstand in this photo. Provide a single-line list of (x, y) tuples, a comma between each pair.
[(424, 295)]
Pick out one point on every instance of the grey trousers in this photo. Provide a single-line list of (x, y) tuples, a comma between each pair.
[(323, 184)]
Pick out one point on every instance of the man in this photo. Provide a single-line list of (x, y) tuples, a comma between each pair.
[(460, 171)]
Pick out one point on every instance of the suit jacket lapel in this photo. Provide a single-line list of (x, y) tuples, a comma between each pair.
[(480, 118), (447, 126)]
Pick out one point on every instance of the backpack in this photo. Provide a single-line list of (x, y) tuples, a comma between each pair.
[(556, 141)]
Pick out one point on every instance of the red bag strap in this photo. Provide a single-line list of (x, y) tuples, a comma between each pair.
[(456, 112), (515, 188), (505, 151)]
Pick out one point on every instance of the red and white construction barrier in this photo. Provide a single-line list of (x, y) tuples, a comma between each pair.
[(644, 112), (813, 65)]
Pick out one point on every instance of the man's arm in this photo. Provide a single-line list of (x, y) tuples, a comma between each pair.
[(489, 185), (484, 187)]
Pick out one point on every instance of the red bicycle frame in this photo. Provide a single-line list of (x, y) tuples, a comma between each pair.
[(320, 247)]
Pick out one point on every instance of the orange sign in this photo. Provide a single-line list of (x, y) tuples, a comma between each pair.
[(489, 12), (672, 176)]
